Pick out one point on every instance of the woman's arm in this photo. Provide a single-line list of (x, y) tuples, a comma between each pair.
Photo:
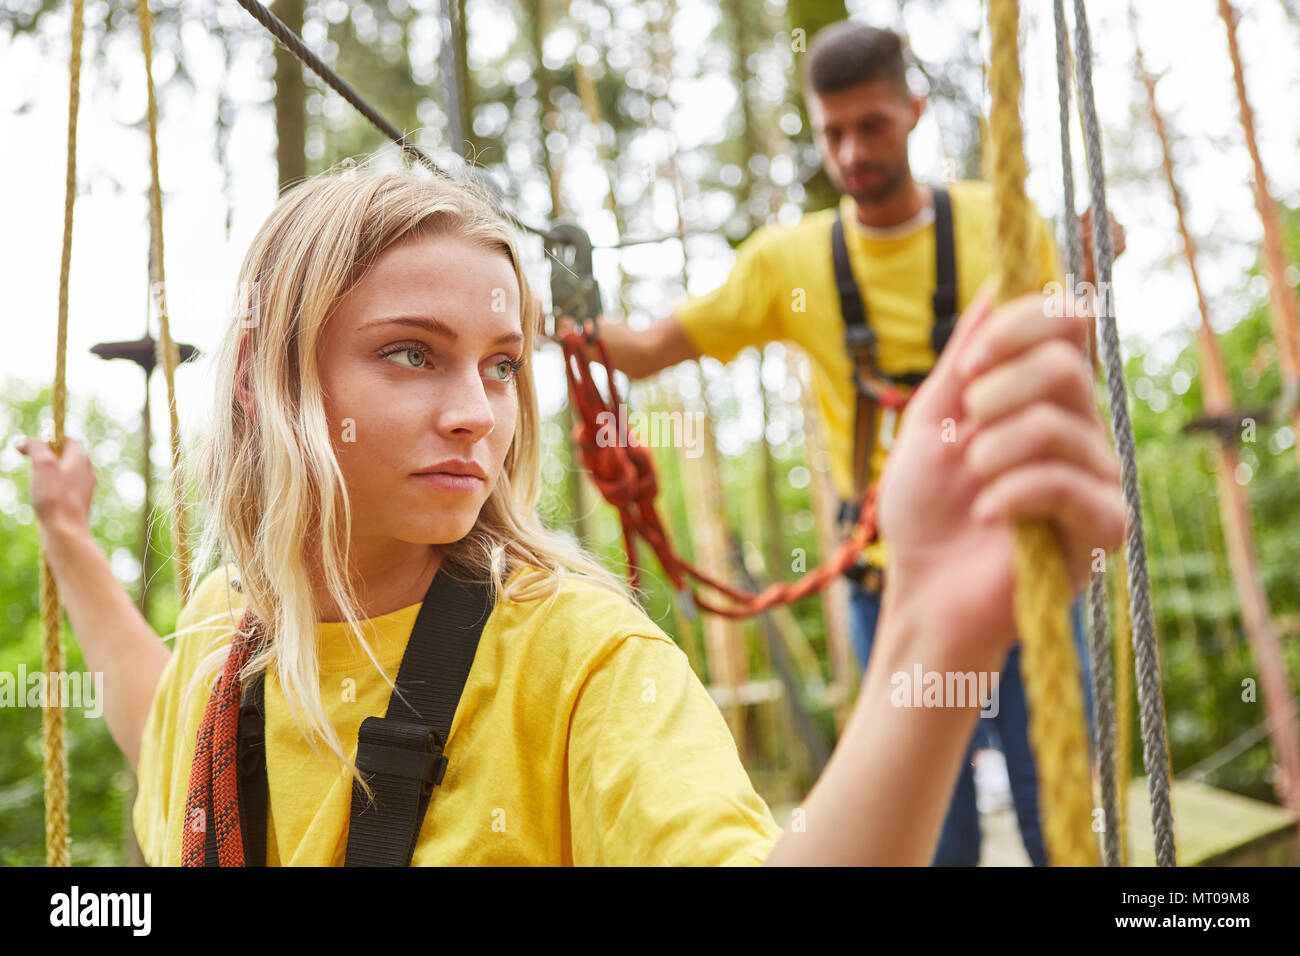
[(1005, 429), (882, 797), (115, 638)]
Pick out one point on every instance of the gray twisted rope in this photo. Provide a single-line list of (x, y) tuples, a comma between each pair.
[(1103, 691), (1103, 702), (1073, 243), (295, 45), (450, 69), (1154, 753)]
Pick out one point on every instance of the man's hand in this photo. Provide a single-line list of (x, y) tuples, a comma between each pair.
[(566, 323), (1003, 430)]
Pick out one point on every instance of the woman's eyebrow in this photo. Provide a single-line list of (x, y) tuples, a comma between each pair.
[(436, 326)]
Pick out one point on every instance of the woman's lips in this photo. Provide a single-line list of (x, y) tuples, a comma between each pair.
[(444, 481)]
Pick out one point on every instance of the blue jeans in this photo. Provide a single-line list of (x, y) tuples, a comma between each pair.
[(959, 842)]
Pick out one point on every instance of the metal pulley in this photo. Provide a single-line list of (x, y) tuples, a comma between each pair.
[(574, 291)]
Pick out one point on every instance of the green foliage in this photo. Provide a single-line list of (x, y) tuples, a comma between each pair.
[(100, 776), (1206, 655)]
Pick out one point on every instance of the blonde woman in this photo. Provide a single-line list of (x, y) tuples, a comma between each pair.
[(384, 336)]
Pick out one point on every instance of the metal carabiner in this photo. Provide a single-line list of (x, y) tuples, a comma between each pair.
[(574, 291)]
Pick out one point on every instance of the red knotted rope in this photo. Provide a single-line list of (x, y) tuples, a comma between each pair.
[(624, 472), (214, 775)]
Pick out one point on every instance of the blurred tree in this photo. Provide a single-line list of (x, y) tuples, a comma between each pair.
[(1203, 675), (290, 101)]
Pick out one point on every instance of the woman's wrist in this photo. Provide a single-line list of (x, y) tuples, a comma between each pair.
[(918, 622), (882, 797), (61, 537)]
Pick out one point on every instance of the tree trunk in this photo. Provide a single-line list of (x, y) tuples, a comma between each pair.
[(290, 102)]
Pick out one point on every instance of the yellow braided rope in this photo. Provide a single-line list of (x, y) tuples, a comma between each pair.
[(168, 353), (55, 756), (1048, 661), (1123, 704)]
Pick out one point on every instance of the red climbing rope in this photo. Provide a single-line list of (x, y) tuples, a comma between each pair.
[(623, 470)]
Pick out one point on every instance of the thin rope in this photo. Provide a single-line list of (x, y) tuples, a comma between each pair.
[(1103, 709), (1073, 242), (295, 45), (1103, 685), (1123, 645), (448, 64), (54, 754), (1155, 753), (168, 353), (1238, 745), (1050, 666)]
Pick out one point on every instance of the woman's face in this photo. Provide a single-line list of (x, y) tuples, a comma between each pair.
[(415, 367)]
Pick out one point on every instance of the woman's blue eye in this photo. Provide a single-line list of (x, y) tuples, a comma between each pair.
[(407, 350), (511, 366)]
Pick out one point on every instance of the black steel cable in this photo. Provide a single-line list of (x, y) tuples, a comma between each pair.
[(295, 45)]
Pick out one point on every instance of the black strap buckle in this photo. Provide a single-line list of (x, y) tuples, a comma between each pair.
[(866, 575), (402, 748), (859, 337), (849, 513)]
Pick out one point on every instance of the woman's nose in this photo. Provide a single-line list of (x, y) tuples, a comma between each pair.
[(466, 405)]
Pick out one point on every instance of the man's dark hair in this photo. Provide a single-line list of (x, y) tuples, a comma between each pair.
[(846, 53)]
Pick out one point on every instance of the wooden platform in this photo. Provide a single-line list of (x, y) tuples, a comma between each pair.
[(1211, 828), (1214, 828)]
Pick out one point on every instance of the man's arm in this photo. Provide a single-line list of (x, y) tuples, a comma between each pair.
[(746, 310)]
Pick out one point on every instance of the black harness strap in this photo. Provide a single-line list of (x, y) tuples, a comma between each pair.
[(401, 753), (945, 274), (252, 772), (860, 338)]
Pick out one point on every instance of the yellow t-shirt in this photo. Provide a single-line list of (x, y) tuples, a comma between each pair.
[(782, 286), (583, 737)]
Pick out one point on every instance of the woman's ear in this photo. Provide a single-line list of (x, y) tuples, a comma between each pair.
[(243, 394)]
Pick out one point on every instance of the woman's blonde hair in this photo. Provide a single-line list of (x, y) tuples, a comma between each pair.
[(271, 482)]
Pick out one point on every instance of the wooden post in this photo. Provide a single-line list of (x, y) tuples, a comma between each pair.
[(825, 507), (724, 638), (1237, 524), (1282, 301), (673, 475), (1223, 617)]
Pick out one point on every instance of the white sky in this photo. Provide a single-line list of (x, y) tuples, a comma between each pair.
[(109, 289)]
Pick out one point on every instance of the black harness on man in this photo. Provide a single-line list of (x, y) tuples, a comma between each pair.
[(878, 392), (401, 753)]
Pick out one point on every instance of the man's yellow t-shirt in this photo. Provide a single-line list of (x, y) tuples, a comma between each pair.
[(782, 286), (583, 737)]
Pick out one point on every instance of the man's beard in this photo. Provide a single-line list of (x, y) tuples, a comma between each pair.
[(892, 180)]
